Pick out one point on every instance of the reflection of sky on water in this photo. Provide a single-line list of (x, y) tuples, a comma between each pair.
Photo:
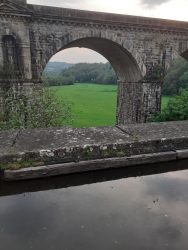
[(136, 213)]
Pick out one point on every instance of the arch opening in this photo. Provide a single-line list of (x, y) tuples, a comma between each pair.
[(124, 64), (89, 85)]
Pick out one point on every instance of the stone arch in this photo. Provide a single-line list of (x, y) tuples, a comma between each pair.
[(127, 64), (133, 91)]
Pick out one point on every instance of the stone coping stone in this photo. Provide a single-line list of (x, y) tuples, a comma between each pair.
[(162, 130), (38, 139), (7, 140), (86, 166)]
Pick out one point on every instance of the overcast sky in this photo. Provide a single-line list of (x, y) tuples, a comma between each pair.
[(168, 9)]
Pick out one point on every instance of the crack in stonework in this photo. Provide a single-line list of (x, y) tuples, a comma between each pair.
[(16, 137), (124, 131)]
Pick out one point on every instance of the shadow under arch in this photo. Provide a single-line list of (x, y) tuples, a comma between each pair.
[(184, 54)]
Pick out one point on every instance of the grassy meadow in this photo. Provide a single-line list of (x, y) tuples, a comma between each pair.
[(92, 104)]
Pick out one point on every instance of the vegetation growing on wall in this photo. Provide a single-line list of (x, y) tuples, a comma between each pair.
[(156, 73)]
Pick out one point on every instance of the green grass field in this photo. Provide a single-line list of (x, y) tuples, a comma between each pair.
[(165, 100), (92, 104)]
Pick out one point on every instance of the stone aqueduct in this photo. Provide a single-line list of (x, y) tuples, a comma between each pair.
[(140, 49)]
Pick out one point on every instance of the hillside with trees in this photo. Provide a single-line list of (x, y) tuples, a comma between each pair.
[(101, 73), (55, 68)]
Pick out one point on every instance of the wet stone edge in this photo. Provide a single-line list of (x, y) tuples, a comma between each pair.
[(93, 165)]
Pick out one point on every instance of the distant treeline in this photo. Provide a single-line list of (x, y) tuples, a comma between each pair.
[(55, 68), (59, 73), (101, 73)]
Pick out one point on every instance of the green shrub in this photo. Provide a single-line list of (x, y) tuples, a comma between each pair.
[(41, 109), (176, 110)]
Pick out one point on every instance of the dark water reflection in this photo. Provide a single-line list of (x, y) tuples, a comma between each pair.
[(98, 211)]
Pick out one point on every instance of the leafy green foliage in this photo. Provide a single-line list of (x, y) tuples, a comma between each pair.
[(176, 109), (40, 109)]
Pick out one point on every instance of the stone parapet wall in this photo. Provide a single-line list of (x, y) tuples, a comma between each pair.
[(125, 145), (42, 11)]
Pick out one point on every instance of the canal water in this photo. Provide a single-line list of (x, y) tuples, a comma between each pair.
[(136, 208)]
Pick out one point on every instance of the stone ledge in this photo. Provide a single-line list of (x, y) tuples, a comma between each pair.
[(182, 154), (85, 166), (78, 150)]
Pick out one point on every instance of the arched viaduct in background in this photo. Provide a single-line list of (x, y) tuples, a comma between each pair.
[(140, 49)]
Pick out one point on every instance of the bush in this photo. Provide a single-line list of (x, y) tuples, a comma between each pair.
[(41, 109), (176, 110)]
